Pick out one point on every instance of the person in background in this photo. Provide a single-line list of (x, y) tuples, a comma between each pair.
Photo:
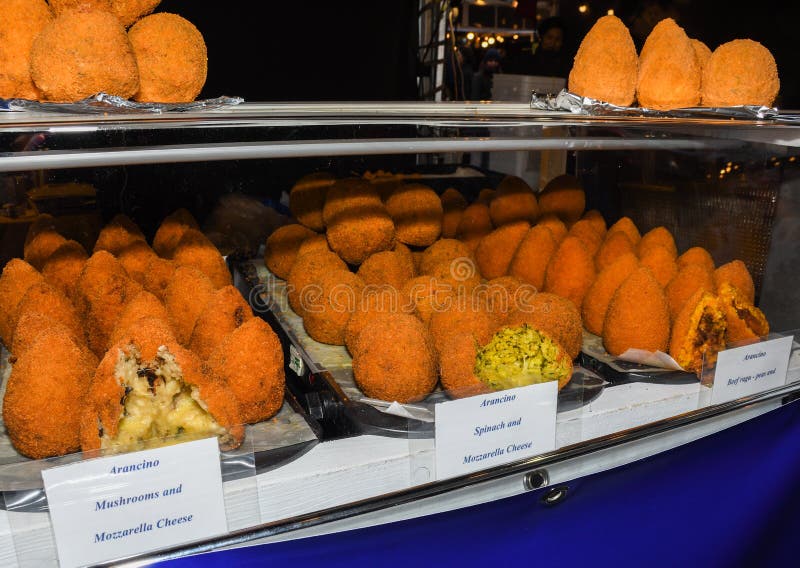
[(482, 79), (458, 74), (550, 59), (641, 16)]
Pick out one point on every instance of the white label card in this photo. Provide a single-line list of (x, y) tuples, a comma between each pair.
[(483, 431), (116, 506), (743, 371)]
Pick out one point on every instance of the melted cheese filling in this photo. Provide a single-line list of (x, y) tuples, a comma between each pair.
[(159, 408)]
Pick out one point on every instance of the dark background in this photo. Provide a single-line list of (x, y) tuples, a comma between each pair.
[(363, 50)]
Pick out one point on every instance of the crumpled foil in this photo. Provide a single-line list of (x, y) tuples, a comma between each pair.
[(103, 103), (576, 104)]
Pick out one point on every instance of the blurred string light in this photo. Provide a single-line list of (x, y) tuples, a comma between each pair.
[(583, 8), (470, 36), (491, 41), (484, 44), (610, 12)]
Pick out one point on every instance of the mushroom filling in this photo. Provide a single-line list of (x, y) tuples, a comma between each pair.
[(159, 409)]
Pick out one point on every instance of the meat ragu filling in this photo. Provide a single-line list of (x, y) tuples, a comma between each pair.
[(710, 336), (159, 408)]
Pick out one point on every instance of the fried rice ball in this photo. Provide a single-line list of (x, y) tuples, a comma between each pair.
[(505, 294), (42, 222), (17, 277), (614, 246), (42, 298), (348, 195), (406, 257), (698, 332), (375, 304), (80, 54), (170, 231), (417, 214), (308, 269), (143, 305), (224, 312), (669, 72), (194, 249), (46, 386), (556, 316), (736, 274), (688, 280), (453, 205), (158, 275), (118, 234), (283, 246), (314, 242), (585, 231), (307, 198), (424, 295), (184, 298), (250, 361), (699, 256), (475, 224), (31, 325), (135, 258), (556, 226), (326, 316), (134, 403), (597, 299), (740, 72), (457, 358), (627, 226), (701, 52), (172, 58), (745, 322), (395, 362), (58, 7), (149, 334), (442, 252), (63, 268), (357, 233), (514, 200), (496, 250), (104, 288), (470, 317), (41, 246), (606, 65), (22, 21), (532, 256), (128, 11), (596, 219), (660, 236), (486, 195), (387, 268), (638, 315), (570, 271), (661, 263), (564, 197)]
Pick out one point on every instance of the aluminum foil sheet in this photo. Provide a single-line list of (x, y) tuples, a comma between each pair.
[(576, 104), (103, 103)]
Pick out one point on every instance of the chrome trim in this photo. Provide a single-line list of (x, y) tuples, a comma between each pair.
[(434, 489), (66, 159)]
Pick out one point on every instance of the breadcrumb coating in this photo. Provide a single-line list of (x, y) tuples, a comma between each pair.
[(606, 65), (417, 213), (669, 72), (638, 315), (740, 72), (597, 299), (21, 23), (250, 362), (80, 54), (171, 56), (532, 256)]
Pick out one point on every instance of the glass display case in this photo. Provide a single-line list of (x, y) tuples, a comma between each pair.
[(338, 451)]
